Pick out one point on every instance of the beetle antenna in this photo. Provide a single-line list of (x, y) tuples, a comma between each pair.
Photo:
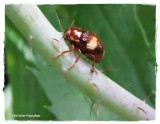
[(58, 20), (72, 23)]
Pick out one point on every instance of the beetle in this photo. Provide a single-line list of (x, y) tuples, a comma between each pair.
[(84, 42)]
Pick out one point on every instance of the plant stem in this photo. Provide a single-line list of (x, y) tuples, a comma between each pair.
[(32, 24)]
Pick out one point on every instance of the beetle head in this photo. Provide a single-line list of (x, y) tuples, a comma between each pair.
[(67, 33)]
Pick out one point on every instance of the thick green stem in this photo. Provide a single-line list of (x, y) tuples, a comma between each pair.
[(32, 24)]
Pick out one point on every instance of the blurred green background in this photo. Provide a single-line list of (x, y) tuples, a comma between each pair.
[(35, 87)]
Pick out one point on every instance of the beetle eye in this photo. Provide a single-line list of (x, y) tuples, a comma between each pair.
[(67, 34)]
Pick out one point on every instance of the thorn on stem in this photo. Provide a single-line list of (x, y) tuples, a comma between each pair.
[(30, 41), (97, 113), (149, 96)]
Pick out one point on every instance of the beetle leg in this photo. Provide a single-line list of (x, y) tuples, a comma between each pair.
[(67, 51), (93, 67), (79, 55), (93, 60)]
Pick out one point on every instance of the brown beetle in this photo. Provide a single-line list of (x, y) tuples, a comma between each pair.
[(84, 42)]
